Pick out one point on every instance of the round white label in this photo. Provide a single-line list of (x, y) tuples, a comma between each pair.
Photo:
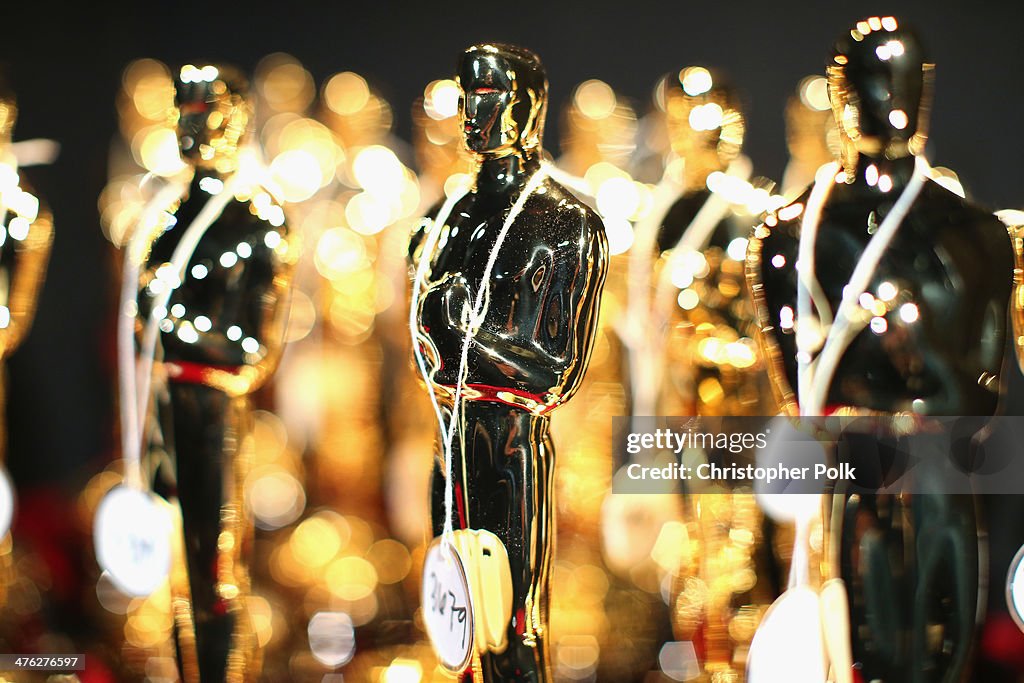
[(788, 645), (133, 540), (1015, 589), (447, 607), (6, 502)]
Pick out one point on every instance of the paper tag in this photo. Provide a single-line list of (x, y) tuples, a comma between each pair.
[(787, 645), (1015, 589), (133, 540), (447, 607), (835, 623), (6, 502)]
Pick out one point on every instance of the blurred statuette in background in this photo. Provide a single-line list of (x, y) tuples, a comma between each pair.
[(216, 268)]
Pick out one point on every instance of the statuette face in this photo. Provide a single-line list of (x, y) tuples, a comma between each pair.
[(504, 99), (704, 119), (879, 83), (213, 113)]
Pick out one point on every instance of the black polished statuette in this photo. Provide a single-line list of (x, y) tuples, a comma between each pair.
[(221, 335), (930, 341), (529, 352)]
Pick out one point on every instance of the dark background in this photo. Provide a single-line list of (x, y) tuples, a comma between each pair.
[(66, 60)]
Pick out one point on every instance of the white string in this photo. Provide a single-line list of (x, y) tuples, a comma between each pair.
[(183, 251), (808, 289), (799, 563), (696, 236), (824, 179), (476, 318), (643, 361), (432, 233), (573, 182), (132, 414), (36, 152), (846, 326), (702, 227)]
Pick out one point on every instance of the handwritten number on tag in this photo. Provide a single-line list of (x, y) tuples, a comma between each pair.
[(141, 548), (442, 599)]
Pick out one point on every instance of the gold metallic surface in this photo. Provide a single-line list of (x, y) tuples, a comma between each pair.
[(25, 250), (437, 140), (1016, 233), (812, 138), (213, 142), (705, 124)]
